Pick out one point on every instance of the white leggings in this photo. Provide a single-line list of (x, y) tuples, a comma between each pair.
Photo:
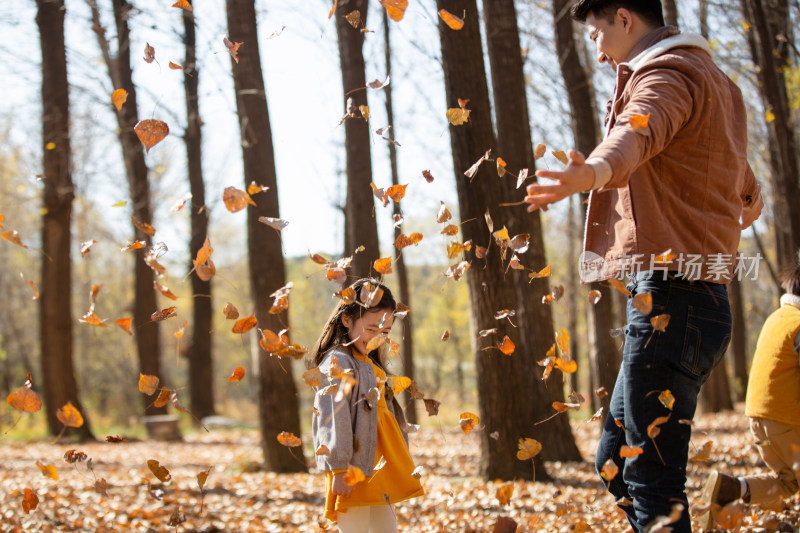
[(371, 519)]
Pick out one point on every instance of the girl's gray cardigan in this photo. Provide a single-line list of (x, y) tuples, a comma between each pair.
[(349, 427)]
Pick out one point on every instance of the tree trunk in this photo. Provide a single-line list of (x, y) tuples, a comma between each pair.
[(277, 402), (55, 315), (359, 219), (148, 346), (201, 364), (399, 262), (513, 145), (770, 49), (572, 288), (715, 396), (670, 12), (603, 349), (702, 14), (503, 381), (738, 349)]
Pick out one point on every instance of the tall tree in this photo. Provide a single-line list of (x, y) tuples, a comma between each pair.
[(201, 364), (148, 346), (769, 38), (504, 382), (55, 315), (670, 12), (399, 262), (277, 394), (359, 218), (514, 145), (603, 350)]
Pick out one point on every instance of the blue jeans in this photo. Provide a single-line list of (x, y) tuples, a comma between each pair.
[(679, 359)]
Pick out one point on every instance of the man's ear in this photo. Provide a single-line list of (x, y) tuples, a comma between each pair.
[(625, 17)]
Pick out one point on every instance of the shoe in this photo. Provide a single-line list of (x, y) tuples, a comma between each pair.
[(720, 490)]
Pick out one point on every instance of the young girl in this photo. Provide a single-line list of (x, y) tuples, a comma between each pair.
[(773, 405), (360, 424)]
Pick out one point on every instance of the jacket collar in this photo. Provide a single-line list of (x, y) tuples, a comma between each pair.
[(790, 299), (661, 40)]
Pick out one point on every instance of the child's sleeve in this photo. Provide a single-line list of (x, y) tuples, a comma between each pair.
[(332, 425)]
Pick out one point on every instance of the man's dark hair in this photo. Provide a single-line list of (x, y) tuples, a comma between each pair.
[(649, 10)]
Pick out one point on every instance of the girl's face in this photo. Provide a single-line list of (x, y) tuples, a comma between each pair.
[(366, 327)]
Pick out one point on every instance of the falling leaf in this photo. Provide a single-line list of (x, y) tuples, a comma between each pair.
[(609, 470), (457, 271), (69, 416), (364, 110), (148, 384), (540, 151), (504, 493), (135, 246), (561, 156), (13, 237), (403, 241), (427, 175), (238, 374), (354, 18), (471, 171), (638, 124), (151, 132), (202, 477), (125, 325), (528, 449), (93, 320), (233, 49), (243, 325), (444, 214), (164, 314), (48, 470), (501, 167), (457, 115), (653, 430), (543, 273), (601, 392), (289, 439), (25, 400), (617, 284), (33, 286), (506, 346), (667, 399), (164, 290), (643, 302), (596, 416), (594, 296), (383, 265), (274, 223), (660, 322), (74, 456), (29, 501), (322, 450), (163, 397), (395, 8), (398, 383), (118, 98), (451, 20), (468, 422), (562, 340), (629, 452), (431, 406), (704, 453), (149, 53), (161, 473), (115, 439), (523, 175), (396, 192), (183, 4), (175, 66), (235, 199), (769, 116), (353, 475)]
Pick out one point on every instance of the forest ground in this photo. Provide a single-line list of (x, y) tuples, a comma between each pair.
[(238, 496)]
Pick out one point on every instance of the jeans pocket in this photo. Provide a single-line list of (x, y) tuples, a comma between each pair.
[(708, 333)]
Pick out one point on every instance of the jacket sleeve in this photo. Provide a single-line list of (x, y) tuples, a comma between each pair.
[(751, 192), (332, 425), (665, 95)]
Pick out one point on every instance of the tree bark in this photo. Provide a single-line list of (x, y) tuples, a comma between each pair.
[(715, 396), (399, 263), (503, 381), (277, 402), (770, 48), (738, 348), (603, 349), (148, 346), (513, 145), (55, 315), (670, 12), (360, 226), (201, 363)]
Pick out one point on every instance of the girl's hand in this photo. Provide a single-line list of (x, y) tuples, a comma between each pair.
[(339, 487)]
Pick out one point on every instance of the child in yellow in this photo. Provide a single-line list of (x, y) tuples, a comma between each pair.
[(773, 405), (357, 420)]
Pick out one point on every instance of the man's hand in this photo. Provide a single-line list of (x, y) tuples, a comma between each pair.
[(577, 177), (752, 213), (339, 487)]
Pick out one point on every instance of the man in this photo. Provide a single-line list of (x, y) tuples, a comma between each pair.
[(671, 192)]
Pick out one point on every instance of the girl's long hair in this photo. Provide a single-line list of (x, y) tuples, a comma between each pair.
[(335, 333)]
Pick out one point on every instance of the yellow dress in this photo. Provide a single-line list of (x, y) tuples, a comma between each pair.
[(393, 482)]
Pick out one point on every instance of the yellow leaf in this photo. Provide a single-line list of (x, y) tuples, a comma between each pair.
[(561, 156), (528, 449), (118, 98), (769, 116), (48, 470), (148, 384), (667, 399), (399, 384), (457, 116)]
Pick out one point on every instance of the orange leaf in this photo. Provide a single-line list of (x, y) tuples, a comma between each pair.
[(164, 314), (468, 422), (501, 167), (48, 470), (504, 493), (148, 384), (87, 246), (149, 53), (70, 416), (594, 296), (202, 477), (175, 66), (653, 430), (164, 290), (354, 475), (143, 227), (395, 8), (506, 346), (206, 272), (183, 4), (13, 237), (639, 123), (135, 246), (125, 325), (528, 449), (25, 400), (383, 265), (163, 397), (159, 471), (243, 325), (235, 200), (279, 305), (396, 192), (667, 399), (561, 156), (93, 320), (29, 501), (333, 9), (446, 335), (231, 313), (403, 241), (289, 439), (151, 132), (451, 20), (543, 273), (238, 374), (609, 470), (178, 334), (444, 214), (318, 259), (660, 322), (233, 48), (629, 452), (643, 303), (314, 377), (119, 97), (566, 366), (617, 284), (540, 151)]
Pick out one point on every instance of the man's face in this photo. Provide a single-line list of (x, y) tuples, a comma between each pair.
[(610, 37)]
